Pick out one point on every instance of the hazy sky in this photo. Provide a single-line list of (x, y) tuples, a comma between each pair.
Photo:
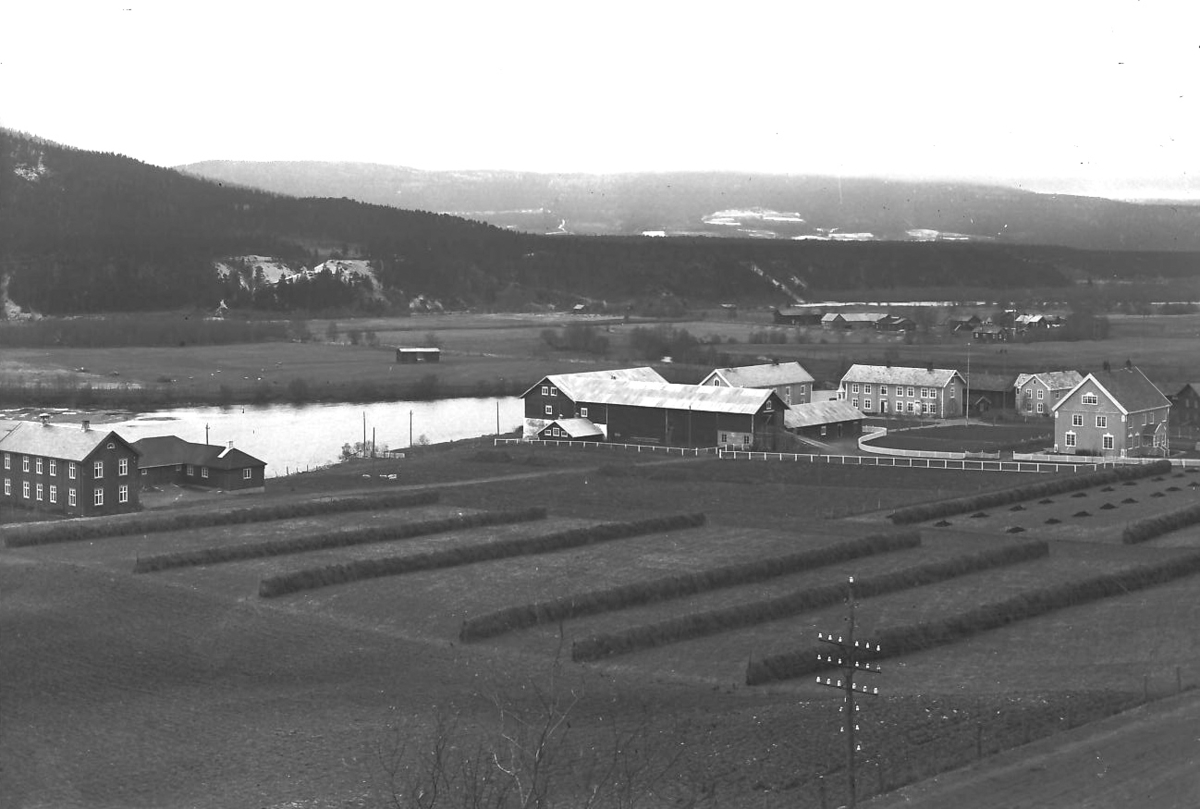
[(1099, 97)]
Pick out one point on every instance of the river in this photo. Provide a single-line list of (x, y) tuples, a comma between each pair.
[(295, 438)]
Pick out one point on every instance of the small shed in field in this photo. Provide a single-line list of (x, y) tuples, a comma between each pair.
[(418, 354)]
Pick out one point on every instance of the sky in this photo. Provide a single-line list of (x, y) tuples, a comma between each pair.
[(1100, 97)]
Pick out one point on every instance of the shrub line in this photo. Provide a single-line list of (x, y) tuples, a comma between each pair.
[(316, 542), (76, 530), (619, 597), (918, 637), (1151, 527), (312, 578), (712, 622)]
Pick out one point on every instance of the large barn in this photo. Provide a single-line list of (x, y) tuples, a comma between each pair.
[(627, 406)]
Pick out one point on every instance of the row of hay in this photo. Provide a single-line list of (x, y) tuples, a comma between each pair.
[(1028, 491), (1151, 527), (917, 637), (313, 578), (325, 541), (677, 586), (153, 523), (713, 622)]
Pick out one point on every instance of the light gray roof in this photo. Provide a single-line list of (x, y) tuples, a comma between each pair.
[(566, 382), (814, 414), (762, 376), (576, 428), (1054, 380), (69, 443), (669, 396), (900, 375)]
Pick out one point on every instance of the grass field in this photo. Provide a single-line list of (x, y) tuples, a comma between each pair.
[(182, 687)]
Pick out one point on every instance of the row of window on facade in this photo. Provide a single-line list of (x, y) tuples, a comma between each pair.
[(1107, 441), (926, 393), (40, 465), (39, 491), (926, 408)]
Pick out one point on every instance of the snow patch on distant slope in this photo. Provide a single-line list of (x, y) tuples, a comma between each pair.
[(30, 172), (735, 216)]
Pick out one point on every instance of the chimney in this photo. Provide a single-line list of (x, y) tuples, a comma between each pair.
[(45, 419), (87, 425), (230, 445)]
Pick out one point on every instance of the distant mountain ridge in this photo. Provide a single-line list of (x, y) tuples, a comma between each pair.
[(735, 205)]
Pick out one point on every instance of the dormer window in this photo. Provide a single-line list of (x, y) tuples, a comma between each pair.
[(1090, 398)]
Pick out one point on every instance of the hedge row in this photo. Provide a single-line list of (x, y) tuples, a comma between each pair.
[(683, 584), (698, 625), (918, 637), (313, 578), (1151, 527), (319, 542), (1029, 491), (153, 523)]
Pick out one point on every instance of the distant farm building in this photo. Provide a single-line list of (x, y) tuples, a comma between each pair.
[(1187, 404), (991, 392), (169, 460), (1037, 393), (1113, 414), (630, 406), (797, 316), (824, 420), (898, 390), (406, 356), (74, 471), (788, 379), (856, 321)]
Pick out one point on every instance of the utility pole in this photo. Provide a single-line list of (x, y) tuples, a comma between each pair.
[(851, 657)]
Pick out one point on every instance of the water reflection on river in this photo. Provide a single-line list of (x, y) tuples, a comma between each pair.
[(291, 438)]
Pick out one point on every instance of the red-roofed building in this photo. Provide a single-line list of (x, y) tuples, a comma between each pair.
[(76, 471), (1113, 414)]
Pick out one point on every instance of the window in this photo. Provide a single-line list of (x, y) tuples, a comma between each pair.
[(143, 471), (53, 493), (110, 445), (70, 497), (178, 468), (545, 390), (854, 388), (123, 466), (25, 489), (866, 404), (98, 496), (1090, 398), (553, 391), (122, 493), (8, 487), (854, 402), (1041, 394), (1107, 442), (24, 463), (1041, 407), (583, 413), (1076, 419), (867, 388), (39, 491), (724, 438), (787, 394), (1102, 421), (824, 429), (746, 440), (883, 390), (53, 467), (7, 461), (549, 412), (192, 472), (71, 470), (1029, 405), (37, 465), (204, 472), (247, 474), (911, 392), (98, 469), (1070, 438)]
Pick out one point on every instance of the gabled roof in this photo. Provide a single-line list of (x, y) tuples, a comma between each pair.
[(576, 428), (1127, 388), (854, 317), (814, 414), (68, 443), (1195, 388), (761, 376), (990, 382), (170, 450), (1054, 380), (901, 375), (668, 396), (565, 382)]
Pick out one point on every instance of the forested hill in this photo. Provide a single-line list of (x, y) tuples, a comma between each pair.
[(87, 232)]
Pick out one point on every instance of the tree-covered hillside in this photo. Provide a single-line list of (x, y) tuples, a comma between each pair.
[(87, 232)]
